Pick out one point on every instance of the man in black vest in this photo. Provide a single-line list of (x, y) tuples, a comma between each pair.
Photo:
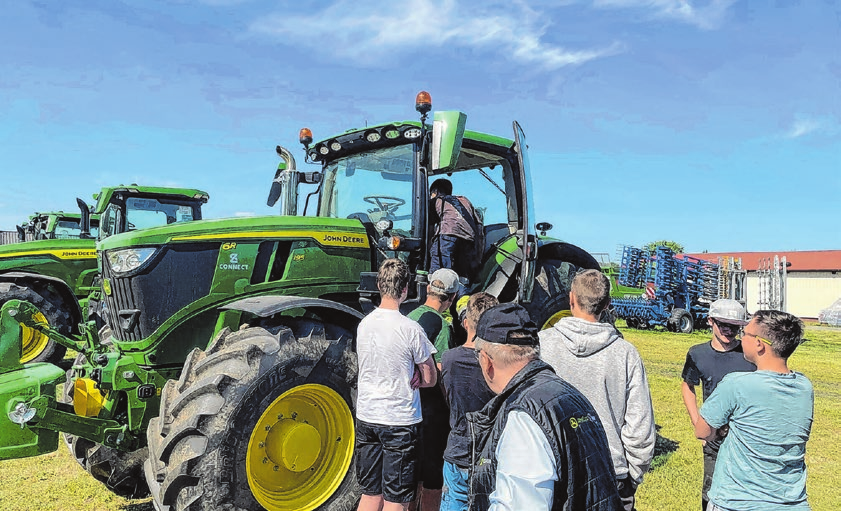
[(457, 237), (539, 444)]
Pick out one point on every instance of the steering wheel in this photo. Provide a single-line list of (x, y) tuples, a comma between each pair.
[(384, 202)]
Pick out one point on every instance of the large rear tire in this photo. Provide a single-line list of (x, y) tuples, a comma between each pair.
[(37, 347), (262, 419), (120, 471), (556, 267)]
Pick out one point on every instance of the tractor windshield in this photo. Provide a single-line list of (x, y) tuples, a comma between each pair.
[(372, 186), (142, 213), (69, 228)]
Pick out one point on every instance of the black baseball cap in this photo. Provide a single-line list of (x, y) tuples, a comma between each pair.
[(500, 321)]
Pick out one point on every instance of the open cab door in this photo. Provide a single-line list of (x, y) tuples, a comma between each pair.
[(527, 242)]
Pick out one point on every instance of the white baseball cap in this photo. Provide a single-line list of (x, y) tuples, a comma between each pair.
[(728, 311), (447, 277)]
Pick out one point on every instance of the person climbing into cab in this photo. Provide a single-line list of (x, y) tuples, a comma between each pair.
[(457, 239)]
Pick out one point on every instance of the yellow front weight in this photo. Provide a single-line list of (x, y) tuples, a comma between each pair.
[(300, 449), (87, 399)]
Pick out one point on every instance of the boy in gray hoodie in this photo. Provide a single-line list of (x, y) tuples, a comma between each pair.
[(608, 370)]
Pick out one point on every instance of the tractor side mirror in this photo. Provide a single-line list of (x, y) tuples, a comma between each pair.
[(447, 134), (274, 191)]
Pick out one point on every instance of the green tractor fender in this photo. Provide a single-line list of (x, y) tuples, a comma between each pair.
[(270, 305), (38, 282)]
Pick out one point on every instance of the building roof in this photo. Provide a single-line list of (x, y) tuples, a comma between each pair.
[(805, 260)]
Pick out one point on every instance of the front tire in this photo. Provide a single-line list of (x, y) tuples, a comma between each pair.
[(262, 419), (37, 347)]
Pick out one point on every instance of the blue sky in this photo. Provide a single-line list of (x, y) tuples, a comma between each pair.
[(713, 123)]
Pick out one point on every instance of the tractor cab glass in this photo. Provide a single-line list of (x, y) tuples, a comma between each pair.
[(485, 188), (70, 228), (372, 186), (129, 213)]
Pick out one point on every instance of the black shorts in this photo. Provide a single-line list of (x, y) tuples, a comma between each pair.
[(387, 460)]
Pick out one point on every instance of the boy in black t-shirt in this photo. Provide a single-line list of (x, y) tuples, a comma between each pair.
[(707, 364), (466, 391)]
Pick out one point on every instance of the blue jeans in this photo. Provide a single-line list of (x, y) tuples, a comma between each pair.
[(442, 253), (454, 493)]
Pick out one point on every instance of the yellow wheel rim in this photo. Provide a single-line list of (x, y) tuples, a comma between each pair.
[(554, 318), (33, 342), (300, 449)]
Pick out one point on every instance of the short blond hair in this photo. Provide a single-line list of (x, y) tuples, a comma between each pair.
[(393, 278), (592, 291)]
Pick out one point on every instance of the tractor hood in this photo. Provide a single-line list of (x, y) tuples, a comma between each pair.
[(61, 249), (172, 277), (331, 232)]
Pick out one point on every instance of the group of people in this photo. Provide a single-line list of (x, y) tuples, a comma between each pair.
[(517, 418), (560, 419), (512, 419), (757, 413)]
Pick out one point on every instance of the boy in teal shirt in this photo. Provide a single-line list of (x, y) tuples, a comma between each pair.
[(761, 465)]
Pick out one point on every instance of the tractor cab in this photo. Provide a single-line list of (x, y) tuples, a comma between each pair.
[(127, 208), (57, 225), (380, 176)]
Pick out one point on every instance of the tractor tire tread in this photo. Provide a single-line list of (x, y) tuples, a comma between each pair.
[(186, 458)]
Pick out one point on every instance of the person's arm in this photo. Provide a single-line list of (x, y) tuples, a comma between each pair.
[(717, 409), (690, 401), (704, 431), (423, 350), (526, 471), (691, 378), (428, 372), (638, 433)]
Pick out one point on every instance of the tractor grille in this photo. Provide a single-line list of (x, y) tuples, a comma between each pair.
[(140, 303)]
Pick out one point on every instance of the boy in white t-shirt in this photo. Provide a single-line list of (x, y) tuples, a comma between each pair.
[(390, 347)]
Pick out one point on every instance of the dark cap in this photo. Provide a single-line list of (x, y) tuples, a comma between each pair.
[(500, 321)]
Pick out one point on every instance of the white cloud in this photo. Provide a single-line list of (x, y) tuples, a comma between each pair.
[(244, 213), (802, 127), (705, 15), (365, 32)]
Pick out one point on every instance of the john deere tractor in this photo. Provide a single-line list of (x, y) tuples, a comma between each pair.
[(56, 225), (226, 378), (57, 271)]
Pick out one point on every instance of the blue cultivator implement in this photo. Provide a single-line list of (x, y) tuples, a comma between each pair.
[(678, 289)]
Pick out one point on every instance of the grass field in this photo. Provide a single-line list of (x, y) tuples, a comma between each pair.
[(56, 483)]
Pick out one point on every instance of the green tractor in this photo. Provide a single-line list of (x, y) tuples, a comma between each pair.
[(226, 378), (57, 272), (56, 225)]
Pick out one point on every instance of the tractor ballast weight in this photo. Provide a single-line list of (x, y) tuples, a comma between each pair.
[(228, 338)]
